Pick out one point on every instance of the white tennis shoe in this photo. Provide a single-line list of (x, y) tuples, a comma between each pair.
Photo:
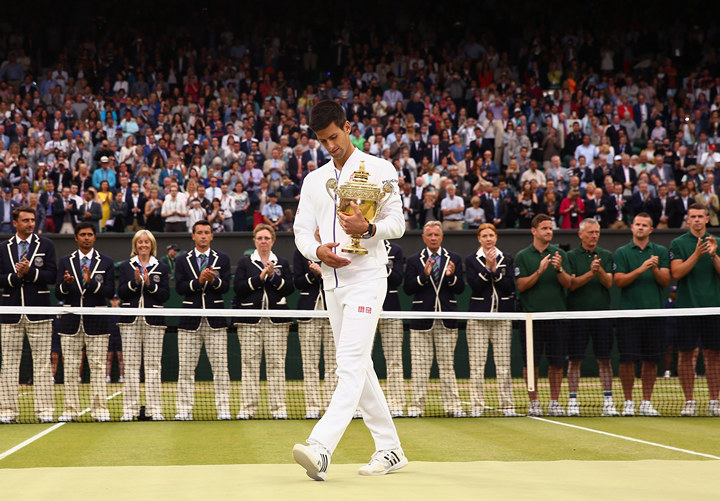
[(555, 409), (609, 410), (384, 462), (314, 458), (647, 409), (628, 408), (714, 408), (573, 408), (689, 409), (535, 409)]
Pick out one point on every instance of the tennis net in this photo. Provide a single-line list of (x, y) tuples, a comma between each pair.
[(466, 364)]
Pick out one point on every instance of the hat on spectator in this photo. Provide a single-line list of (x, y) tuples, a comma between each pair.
[(7, 189), (272, 194), (104, 159), (692, 167), (174, 247), (618, 158), (517, 110)]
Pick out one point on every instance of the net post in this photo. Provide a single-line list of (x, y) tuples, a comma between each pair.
[(530, 352)]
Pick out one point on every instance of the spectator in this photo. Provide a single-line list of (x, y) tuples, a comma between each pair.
[(490, 275), (541, 282), (174, 210), (434, 277), (452, 208), (642, 271)]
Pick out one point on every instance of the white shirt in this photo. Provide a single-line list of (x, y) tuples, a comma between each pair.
[(317, 209)]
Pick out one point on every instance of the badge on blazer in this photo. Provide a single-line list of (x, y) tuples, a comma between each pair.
[(156, 279), (99, 278), (276, 271), (39, 262), (215, 272)]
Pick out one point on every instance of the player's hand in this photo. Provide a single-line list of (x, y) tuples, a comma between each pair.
[(327, 256), (355, 224), (701, 246), (68, 278), (86, 274), (138, 278), (315, 268), (450, 271), (146, 277), (556, 261), (544, 263), (651, 263), (267, 271), (595, 265), (428, 267)]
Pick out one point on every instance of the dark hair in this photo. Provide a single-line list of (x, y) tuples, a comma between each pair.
[(693, 206), (642, 214), (326, 113), (540, 218), (201, 222), (84, 225), (23, 208)]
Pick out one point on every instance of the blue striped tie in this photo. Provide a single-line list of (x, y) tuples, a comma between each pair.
[(436, 268)]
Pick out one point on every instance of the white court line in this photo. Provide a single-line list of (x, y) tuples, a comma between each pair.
[(623, 437), (45, 432)]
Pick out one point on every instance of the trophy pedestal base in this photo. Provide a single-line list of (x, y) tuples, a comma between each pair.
[(355, 250)]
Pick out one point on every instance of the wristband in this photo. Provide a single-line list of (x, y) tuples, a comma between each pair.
[(370, 231)]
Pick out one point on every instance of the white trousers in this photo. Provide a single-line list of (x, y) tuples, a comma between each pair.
[(354, 312), (253, 338), (313, 333), (142, 342), (96, 347), (479, 334), (391, 332), (39, 335), (189, 344), (421, 348)]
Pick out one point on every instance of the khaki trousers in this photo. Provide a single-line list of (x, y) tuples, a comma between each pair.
[(421, 349), (96, 347), (479, 334), (452, 225), (253, 338), (312, 334), (39, 336), (391, 334), (142, 341), (189, 344)]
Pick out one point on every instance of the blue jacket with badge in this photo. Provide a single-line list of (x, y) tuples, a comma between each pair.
[(32, 288), (206, 296), (153, 295), (251, 292), (491, 291), (96, 292)]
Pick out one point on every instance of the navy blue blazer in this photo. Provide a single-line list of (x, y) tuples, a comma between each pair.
[(32, 289), (154, 295), (396, 263), (207, 296), (491, 291), (130, 206), (250, 290), (309, 284), (96, 292), (429, 296)]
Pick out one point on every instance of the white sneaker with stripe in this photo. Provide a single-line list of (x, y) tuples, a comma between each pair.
[(384, 462), (314, 458)]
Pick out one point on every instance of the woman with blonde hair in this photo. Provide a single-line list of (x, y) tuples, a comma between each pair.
[(144, 283), (491, 277)]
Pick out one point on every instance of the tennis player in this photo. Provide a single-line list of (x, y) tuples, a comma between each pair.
[(355, 287)]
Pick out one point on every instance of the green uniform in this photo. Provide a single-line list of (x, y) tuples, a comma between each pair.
[(593, 295), (700, 287), (547, 294), (644, 292)]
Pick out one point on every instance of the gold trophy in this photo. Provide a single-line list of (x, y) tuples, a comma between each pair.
[(368, 197)]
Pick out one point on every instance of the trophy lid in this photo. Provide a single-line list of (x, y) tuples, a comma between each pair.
[(360, 186)]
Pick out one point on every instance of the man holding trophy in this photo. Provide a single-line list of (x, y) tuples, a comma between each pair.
[(355, 201)]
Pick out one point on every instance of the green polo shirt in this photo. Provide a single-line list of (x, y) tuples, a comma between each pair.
[(644, 292), (700, 287), (593, 295), (547, 294)]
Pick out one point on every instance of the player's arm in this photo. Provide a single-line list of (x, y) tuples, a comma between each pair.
[(390, 223), (528, 281), (305, 224), (680, 268)]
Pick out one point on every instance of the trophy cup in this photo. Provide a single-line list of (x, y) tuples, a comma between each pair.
[(368, 197)]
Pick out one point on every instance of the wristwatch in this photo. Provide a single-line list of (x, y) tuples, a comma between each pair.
[(370, 231)]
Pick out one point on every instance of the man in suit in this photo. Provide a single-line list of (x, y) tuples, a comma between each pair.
[(313, 154), (613, 132), (202, 275), (624, 173), (27, 267), (90, 211), (641, 115), (296, 165), (434, 277), (435, 151), (663, 170), (411, 205), (266, 144), (417, 149), (7, 205), (616, 207), (85, 278), (63, 212), (679, 207), (135, 200), (659, 206), (274, 168), (495, 208)]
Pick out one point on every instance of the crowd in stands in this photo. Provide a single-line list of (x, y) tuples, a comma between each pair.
[(134, 129)]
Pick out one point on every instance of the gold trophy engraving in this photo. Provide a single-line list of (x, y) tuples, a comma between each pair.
[(368, 197)]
